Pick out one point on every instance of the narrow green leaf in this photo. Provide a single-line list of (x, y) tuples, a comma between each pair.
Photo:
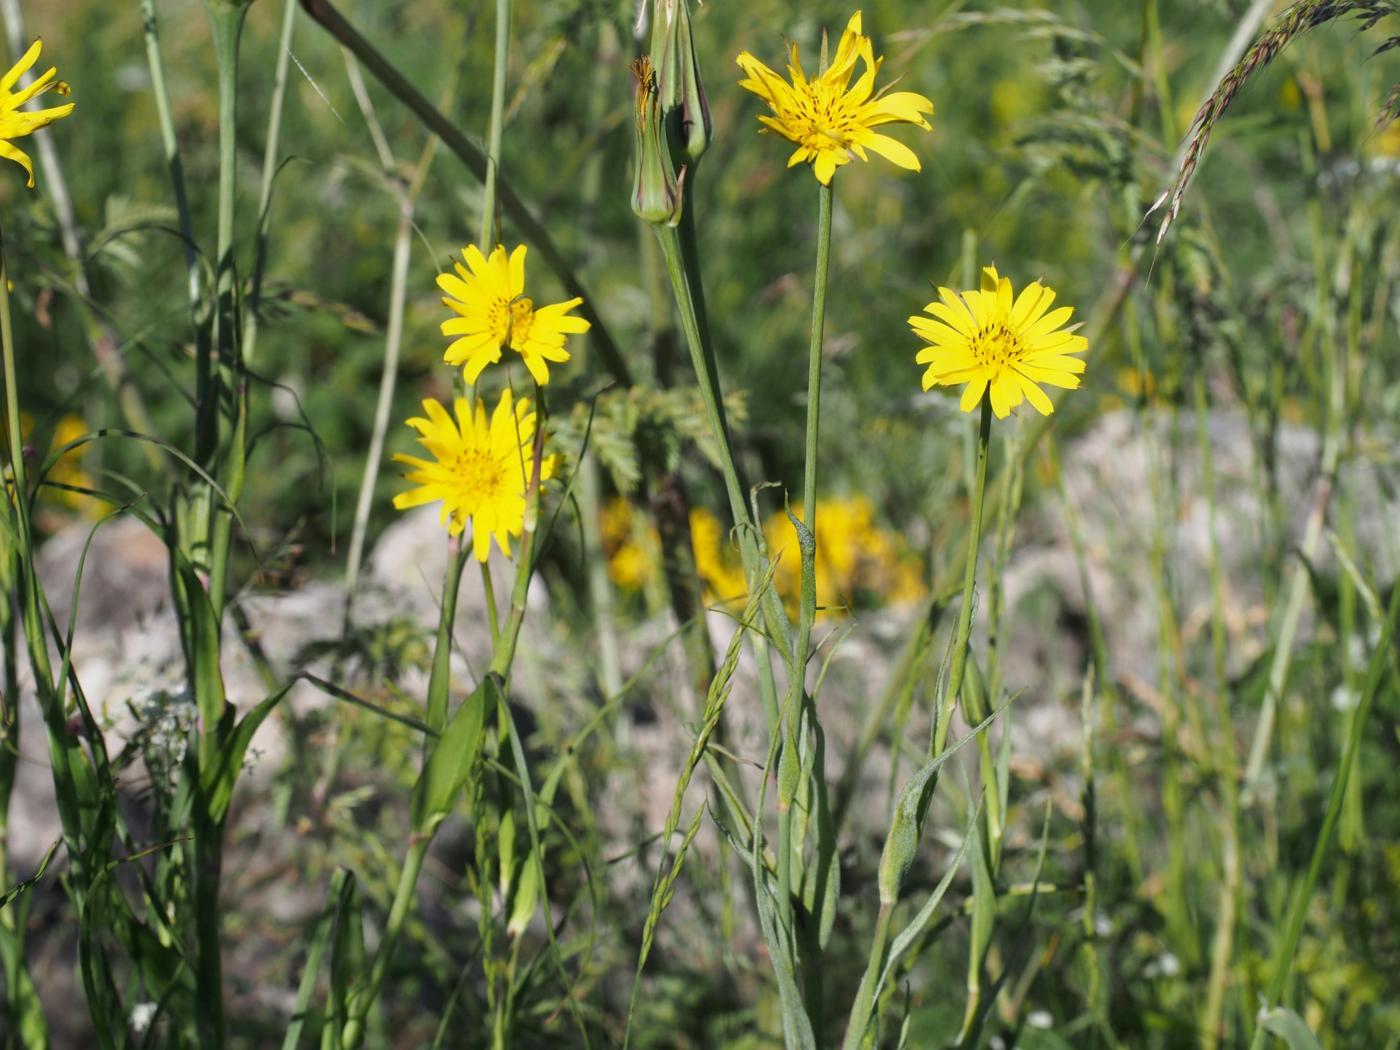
[(906, 828), (451, 759), (335, 899), (1289, 1027), (19, 888), (219, 777), (204, 641)]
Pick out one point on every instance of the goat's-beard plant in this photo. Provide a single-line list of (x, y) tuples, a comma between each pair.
[(831, 118)]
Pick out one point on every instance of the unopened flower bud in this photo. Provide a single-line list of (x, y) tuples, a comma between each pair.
[(684, 107), (656, 188)]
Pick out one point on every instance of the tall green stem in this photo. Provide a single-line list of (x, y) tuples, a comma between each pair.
[(1222, 945), (789, 764), (814, 357), (493, 135), (171, 146), (269, 175), (964, 630), (227, 22), (404, 893), (700, 358), (442, 650), (407, 888), (709, 382), (864, 1005), (63, 745)]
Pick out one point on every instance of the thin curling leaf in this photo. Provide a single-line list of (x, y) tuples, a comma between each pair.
[(685, 109), (202, 641), (20, 888), (656, 186), (451, 759), (217, 778)]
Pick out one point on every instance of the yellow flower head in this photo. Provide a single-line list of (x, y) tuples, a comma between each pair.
[(715, 563), (829, 118), (15, 122), (856, 559), (488, 296), (999, 343), (480, 469)]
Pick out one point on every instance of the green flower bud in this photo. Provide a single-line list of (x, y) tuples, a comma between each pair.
[(684, 107), (656, 188)]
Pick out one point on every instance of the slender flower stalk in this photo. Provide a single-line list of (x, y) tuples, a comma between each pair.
[(269, 176), (406, 889), (961, 638), (797, 687), (496, 128), (864, 1005), (814, 356), (226, 17), (171, 146)]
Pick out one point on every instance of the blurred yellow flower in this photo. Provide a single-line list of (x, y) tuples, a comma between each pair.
[(480, 468), (488, 296), (68, 470), (15, 123), (999, 344), (716, 562), (632, 552), (856, 559), (828, 117), (1386, 142)]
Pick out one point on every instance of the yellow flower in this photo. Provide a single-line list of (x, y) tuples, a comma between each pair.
[(15, 123), (68, 470), (999, 343), (715, 563), (488, 295), (831, 119), (855, 558), (481, 471), (630, 548), (857, 561)]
